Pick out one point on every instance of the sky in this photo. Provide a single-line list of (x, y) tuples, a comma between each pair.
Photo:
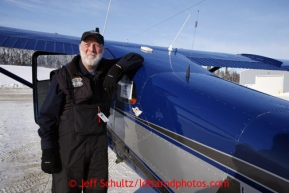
[(228, 26)]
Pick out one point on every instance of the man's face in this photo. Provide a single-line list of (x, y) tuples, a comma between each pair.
[(90, 51)]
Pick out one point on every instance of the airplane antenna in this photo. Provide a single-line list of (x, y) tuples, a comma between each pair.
[(166, 19), (196, 25), (106, 17), (171, 46), (188, 73)]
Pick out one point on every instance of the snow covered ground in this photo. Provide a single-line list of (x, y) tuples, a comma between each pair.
[(20, 149), (20, 145)]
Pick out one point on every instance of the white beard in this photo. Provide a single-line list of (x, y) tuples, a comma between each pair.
[(91, 62)]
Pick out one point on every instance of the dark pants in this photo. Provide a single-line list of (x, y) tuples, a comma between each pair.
[(83, 167), (84, 158)]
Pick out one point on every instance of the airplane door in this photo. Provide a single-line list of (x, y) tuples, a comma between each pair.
[(42, 64)]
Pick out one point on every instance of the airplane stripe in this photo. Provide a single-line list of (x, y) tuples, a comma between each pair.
[(246, 169)]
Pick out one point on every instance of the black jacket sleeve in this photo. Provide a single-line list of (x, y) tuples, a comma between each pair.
[(49, 115)]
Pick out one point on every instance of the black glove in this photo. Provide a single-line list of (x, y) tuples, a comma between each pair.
[(111, 78), (51, 162)]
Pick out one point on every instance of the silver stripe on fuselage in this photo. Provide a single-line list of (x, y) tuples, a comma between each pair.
[(252, 172)]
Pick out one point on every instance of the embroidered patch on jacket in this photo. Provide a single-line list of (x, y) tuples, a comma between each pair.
[(77, 82)]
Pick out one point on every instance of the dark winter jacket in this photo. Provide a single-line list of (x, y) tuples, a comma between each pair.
[(62, 94)]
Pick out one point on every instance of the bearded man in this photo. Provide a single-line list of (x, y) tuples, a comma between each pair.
[(73, 135)]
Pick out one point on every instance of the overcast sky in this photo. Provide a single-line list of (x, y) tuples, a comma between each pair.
[(230, 26)]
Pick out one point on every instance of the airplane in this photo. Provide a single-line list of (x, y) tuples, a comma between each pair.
[(177, 123)]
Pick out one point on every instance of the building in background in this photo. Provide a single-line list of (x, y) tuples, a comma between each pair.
[(271, 82)]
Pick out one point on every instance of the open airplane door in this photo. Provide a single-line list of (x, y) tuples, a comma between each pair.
[(42, 64)]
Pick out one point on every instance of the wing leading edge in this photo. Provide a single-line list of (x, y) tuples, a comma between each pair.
[(53, 42)]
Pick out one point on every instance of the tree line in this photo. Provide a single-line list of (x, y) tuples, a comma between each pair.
[(230, 75), (21, 57), (225, 73), (13, 56)]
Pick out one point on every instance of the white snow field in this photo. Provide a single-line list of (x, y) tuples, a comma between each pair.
[(20, 154)]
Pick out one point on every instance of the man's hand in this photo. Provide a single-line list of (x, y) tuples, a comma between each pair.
[(111, 78), (51, 162)]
